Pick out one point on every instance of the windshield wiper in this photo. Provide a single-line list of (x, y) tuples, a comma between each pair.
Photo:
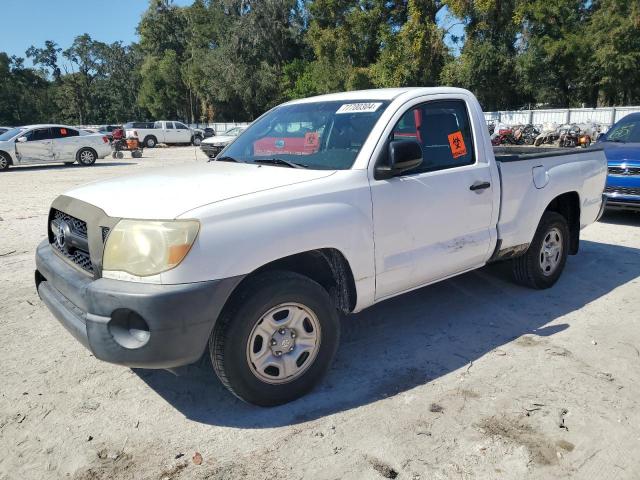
[(280, 161)]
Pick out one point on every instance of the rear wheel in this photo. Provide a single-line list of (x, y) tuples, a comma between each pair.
[(541, 266), (276, 339), (150, 141), (86, 157), (5, 161)]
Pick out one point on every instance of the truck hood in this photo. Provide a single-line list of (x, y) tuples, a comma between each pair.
[(166, 193), (619, 153)]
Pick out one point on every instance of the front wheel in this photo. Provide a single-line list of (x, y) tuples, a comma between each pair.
[(542, 264), (5, 161), (276, 339), (197, 140), (86, 157)]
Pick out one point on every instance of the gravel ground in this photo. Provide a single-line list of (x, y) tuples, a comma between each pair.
[(470, 378)]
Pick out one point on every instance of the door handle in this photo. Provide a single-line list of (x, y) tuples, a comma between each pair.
[(479, 186)]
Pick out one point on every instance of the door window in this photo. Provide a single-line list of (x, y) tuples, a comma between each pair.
[(443, 130), (63, 132), (181, 125), (38, 134), (170, 125)]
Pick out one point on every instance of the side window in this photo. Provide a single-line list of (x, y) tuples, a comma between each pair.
[(38, 134), (181, 125), (170, 125), (62, 132), (155, 125), (443, 130)]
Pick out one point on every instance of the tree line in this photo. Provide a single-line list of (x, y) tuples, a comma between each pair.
[(221, 60)]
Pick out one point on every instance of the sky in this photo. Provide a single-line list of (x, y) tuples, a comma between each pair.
[(31, 22)]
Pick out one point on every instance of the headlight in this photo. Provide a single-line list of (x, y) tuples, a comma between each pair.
[(144, 248)]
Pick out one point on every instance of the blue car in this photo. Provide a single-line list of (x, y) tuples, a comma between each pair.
[(622, 148)]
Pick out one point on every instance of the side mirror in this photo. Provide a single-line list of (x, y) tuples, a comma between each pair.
[(21, 139), (402, 155)]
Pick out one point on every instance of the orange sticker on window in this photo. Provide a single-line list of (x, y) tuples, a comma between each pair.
[(63, 131), (311, 139), (456, 143)]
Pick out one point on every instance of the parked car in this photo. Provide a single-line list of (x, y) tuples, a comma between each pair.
[(254, 256), (51, 144), (213, 146), (622, 148), (209, 132), (164, 132)]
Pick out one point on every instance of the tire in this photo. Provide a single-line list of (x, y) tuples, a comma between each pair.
[(265, 303), (196, 140), (136, 154), (86, 156), (150, 141), (5, 161), (542, 264), (119, 155)]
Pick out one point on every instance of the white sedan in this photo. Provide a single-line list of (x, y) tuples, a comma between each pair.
[(212, 146), (35, 144)]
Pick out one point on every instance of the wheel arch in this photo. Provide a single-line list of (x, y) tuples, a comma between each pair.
[(568, 205), (326, 266)]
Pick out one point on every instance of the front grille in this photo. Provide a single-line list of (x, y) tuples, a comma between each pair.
[(77, 225), (623, 190), (73, 243), (624, 170)]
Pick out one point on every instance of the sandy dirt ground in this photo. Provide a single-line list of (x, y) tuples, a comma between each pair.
[(470, 378)]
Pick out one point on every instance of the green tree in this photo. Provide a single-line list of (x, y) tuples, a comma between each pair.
[(487, 63), (614, 37)]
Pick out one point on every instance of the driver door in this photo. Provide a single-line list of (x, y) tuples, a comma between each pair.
[(37, 149), (433, 221)]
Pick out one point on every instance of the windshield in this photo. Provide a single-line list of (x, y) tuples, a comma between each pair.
[(318, 135), (9, 134), (625, 131)]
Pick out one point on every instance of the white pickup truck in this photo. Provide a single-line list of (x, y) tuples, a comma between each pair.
[(164, 131), (323, 206)]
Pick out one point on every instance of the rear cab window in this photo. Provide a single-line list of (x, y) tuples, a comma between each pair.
[(443, 129)]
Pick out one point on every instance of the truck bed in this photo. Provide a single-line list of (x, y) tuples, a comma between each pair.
[(524, 152)]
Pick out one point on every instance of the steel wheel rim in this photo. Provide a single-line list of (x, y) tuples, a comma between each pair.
[(86, 157), (197, 141), (551, 251), (283, 343)]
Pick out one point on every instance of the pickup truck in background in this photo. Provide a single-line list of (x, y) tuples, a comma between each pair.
[(164, 131), (323, 206), (621, 146)]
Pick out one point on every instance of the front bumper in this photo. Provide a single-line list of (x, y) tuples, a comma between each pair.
[(211, 150), (128, 323), (617, 201)]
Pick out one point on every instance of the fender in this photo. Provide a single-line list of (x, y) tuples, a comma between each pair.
[(271, 225)]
